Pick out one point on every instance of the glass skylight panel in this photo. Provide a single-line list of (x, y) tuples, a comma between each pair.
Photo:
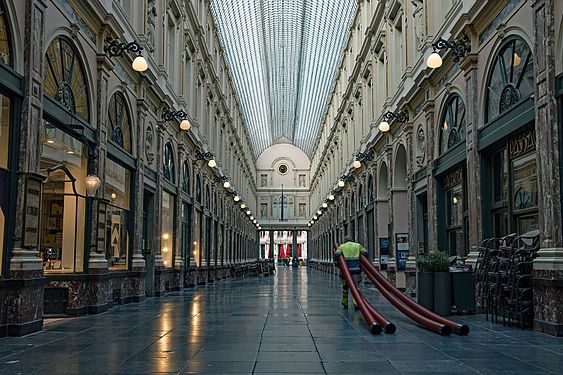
[(283, 56)]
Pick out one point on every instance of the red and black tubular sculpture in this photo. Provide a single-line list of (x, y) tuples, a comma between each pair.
[(374, 327), (424, 317)]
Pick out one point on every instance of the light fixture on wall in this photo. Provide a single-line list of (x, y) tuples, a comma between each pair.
[(114, 48), (319, 212), (325, 205), (207, 156), (224, 180), (243, 206), (248, 212), (459, 46), (169, 115), (344, 179), (399, 116), (236, 198), (92, 184), (308, 224), (315, 217), (331, 197), (362, 157), (251, 217)]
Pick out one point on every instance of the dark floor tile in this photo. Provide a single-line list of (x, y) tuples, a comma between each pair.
[(289, 367)]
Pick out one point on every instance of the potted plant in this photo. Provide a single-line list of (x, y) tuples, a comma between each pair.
[(425, 282), (442, 283)]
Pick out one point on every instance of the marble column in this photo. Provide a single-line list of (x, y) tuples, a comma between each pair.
[(294, 252), (25, 295), (159, 283), (469, 67), (548, 266), (430, 180)]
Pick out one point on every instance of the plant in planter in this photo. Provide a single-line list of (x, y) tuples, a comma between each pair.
[(442, 283), (425, 282)]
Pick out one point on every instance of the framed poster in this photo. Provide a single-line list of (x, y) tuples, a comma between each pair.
[(402, 249)]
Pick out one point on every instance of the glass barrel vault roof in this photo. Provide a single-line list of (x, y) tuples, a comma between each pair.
[(283, 56)]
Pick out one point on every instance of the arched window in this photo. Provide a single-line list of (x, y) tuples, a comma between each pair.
[(370, 189), (65, 80), (169, 169), (198, 188), (119, 121), (207, 197), (452, 124), (186, 178), (5, 38), (361, 196), (511, 78)]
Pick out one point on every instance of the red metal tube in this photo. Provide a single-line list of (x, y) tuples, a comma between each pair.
[(370, 320), (430, 325), (368, 268), (388, 327)]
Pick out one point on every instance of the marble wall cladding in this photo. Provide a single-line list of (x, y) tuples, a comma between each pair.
[(138, 287), (78, 294), (211, 274), (177, 279), (100, 295), (159, 282), (548, 301), (202, 276), (410, 282), (22, 307), (190, 278)]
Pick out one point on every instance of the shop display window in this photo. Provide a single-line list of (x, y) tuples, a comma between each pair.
[(63, 206), (4, 152), (525, 193), (118, 193), (167, 233)]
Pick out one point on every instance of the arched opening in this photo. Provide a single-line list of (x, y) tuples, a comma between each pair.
[(400, 170)]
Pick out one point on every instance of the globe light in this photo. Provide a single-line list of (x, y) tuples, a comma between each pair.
[(140, 64), (357, 164), (315, 217), (212, 163), (434, 60), (165, 236), (226, 184), (248, 212), (185, 124), (113, 196), (319, 212), (383, 126), (331, 197), (325, 205), (237, 198), (308, 224), (243, 206), (252, 218), (341, 183), (92, 184)]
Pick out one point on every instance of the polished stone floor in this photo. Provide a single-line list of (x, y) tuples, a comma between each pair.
[(290, 323)]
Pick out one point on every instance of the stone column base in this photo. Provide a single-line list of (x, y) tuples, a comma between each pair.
[(548, 291), (21, 310)]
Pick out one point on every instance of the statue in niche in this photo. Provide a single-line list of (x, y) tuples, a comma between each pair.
[(151, 24), (263, 180), (302, 212), (264, 210), (420, 138), (149, 139), (302, 180), (419, 23)]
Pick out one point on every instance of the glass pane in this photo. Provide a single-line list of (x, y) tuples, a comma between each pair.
[(527, 223), (500, 224), (63, 213), (119, 122), (5, 53), (455, 206), (283, 57), (118, 185), (117, 238), (4, 130), (500, 177), (525, 183), (64, 78), (167, 240), (452, 125)]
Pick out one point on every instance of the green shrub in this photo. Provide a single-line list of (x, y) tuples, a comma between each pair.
[(435, 261)]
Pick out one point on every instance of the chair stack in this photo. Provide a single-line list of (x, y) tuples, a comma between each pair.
[(503, 276)]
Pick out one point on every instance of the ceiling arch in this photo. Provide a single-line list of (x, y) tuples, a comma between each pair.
[(283, 56)]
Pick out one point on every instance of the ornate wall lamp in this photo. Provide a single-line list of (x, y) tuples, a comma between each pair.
[(114, 48), (459, 46), (360, 158), (224, 180), (206, 156), (399, 116), (344, 179), (169, 115)]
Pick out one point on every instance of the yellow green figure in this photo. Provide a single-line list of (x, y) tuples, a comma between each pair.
[(351, 251)]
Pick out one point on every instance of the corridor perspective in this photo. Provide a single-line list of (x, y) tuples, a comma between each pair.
[(281, 186), (291, 323)]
